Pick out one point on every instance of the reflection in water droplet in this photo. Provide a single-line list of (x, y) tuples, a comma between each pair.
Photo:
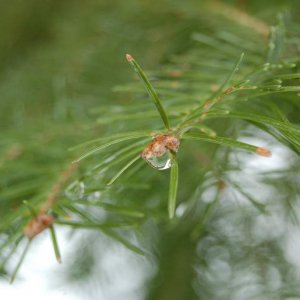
[(162, 162), (158, 152)]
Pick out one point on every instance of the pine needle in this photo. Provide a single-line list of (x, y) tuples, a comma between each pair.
[(150, 90), (15, 272), (173, 187)]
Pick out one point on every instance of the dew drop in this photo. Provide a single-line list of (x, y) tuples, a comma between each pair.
[(76, 190), (159, 153), (162, 162)]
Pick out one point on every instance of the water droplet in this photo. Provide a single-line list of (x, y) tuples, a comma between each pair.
[(158, 152), (162, 162), (76, 190), (94, 196)]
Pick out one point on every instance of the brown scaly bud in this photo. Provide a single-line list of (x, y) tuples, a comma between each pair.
[(160, 144), (38, 224), (172, 143)]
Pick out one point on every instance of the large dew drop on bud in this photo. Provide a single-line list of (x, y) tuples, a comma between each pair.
[(158, 154)]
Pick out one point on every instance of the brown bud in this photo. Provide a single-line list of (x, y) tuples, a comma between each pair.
[(263, 152), (160, 144), (38, 224)]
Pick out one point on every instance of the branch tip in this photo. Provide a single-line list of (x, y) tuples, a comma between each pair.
[(129, 58)]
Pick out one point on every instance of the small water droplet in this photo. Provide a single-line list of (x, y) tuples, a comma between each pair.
[(94, 196), (75, 190), (158, 153), (162, 162)]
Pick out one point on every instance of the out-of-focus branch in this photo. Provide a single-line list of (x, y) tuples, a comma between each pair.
[(239, 16), (43, 219)]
